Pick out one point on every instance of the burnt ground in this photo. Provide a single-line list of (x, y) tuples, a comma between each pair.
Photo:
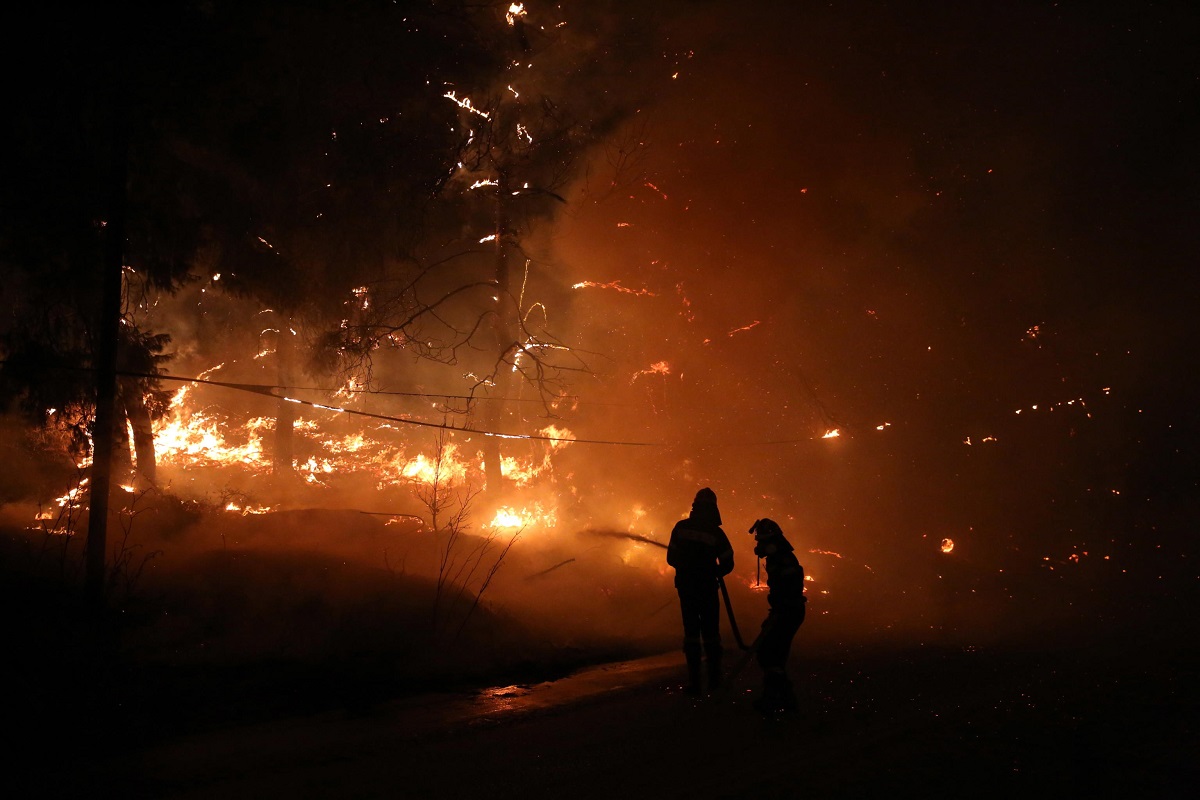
[(1072, 715)]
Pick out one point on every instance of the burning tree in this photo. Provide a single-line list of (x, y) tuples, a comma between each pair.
[(467, 303)]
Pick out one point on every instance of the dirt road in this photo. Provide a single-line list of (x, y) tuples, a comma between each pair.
[(1083, 721)]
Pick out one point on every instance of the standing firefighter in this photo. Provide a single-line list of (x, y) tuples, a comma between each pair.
[(701, 555), (785, 582)]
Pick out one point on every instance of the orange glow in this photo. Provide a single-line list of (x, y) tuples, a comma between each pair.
[(947, 545)]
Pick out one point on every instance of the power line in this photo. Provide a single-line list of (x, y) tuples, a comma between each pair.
[(267, 391)]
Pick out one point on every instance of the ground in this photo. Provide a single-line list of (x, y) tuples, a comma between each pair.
[(1073, 716)]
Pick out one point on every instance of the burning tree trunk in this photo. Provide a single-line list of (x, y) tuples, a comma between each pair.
[(133, 402)]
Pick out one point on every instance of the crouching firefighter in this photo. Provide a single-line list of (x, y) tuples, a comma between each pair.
[(785, 584), (701, 555)]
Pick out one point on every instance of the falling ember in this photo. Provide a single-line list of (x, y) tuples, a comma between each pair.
[(465, 104), (615, 286), (745, 327), (947, 545), (657, 368), (826, 553), (832, 434)]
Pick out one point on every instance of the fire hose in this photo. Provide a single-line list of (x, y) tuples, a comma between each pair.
[(737, 635)]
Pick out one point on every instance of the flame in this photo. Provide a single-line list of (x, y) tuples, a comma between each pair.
[(832, 434), (513, 518), (187, 437), (515, 11)]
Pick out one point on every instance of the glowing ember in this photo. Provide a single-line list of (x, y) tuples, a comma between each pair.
[(465, 104), (657, 368), (745, 327), (615, 286), (947, 545)]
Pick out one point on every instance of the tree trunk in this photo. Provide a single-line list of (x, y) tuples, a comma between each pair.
[(504, 329), (138, 415), (285, 417)]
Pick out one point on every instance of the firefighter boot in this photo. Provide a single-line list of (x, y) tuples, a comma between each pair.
[(714, 671), (771, 701), (692, 651), (787, 696)]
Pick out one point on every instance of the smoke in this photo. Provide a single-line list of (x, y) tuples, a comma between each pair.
[(875, 221)]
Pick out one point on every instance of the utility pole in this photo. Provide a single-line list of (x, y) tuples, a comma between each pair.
[(107, 336)]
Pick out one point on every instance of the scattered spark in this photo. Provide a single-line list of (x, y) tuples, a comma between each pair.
[(466, 104), (615, 286), (657, 368), (745, 327)]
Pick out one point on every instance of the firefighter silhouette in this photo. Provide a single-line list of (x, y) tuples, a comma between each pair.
[(701, 554), (785, 583)]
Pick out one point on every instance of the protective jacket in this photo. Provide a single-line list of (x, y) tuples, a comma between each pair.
[(699, 550), (785, 576)]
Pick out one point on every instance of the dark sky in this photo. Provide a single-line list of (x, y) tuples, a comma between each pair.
[(921, 216)]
